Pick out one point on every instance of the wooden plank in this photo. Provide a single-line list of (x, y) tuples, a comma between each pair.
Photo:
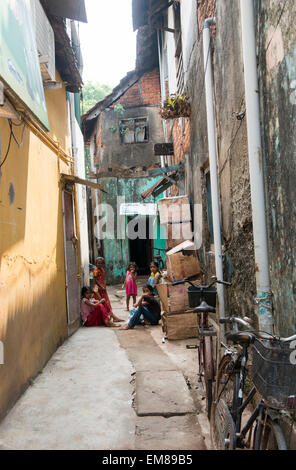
[(165, 169), (76, 179)]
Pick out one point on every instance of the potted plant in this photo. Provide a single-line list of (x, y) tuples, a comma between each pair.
[(175, 106)]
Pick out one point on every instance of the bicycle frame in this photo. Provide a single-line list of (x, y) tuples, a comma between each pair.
[(239, 404)]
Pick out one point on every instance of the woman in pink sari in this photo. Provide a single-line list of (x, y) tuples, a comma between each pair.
[(93, 312), (100, 286)]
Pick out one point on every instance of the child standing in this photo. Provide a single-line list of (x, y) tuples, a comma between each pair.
[(130, 284), (155, 276)]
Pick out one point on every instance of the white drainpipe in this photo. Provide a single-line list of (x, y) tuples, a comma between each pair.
[(213, 161), (255, 163)]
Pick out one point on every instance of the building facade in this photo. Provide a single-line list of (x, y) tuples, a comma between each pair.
[(184, 62), (121, 132), (40, 259)]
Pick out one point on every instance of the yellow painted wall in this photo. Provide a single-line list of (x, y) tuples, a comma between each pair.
[(33, 319)]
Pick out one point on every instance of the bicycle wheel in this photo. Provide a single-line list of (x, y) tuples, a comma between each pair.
[(222, 426), (268, 435), (209, 373)]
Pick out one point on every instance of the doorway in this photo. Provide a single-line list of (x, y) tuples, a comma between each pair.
[(71, 266), (140, 248)]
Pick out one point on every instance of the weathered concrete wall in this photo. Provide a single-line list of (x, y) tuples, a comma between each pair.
[(33, 318), (233, 164), (276, 34), (276, 67), (234, 187), (114, 156)]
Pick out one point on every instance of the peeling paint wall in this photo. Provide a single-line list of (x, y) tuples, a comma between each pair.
[(115, 156), (33, 318), (232, 154), (276, 34), (116, 250)]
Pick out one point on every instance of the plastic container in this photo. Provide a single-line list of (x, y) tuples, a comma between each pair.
[(195, 296)]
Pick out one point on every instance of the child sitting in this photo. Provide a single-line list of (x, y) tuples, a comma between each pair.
[(93, 312), (146, 306)]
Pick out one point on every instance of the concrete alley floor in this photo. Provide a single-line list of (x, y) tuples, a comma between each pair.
[(111, 389)]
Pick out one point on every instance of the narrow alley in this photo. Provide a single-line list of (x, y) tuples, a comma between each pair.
[(109, 389), (147, 225)]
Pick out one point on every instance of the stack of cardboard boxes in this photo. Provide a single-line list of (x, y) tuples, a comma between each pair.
[(177, 319)]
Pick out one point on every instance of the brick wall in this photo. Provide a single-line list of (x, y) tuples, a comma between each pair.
[(150, 87), (180, 136), (205, 9), (146, 91)]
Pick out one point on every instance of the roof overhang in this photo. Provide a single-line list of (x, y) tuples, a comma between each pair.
[(75, 179), (162, 185), (66, 62), (73, 9)]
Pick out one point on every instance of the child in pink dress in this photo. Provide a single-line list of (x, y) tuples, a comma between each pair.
[(130, 284)]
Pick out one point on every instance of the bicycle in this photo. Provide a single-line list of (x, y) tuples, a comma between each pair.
[(198, 296), (273, 377)]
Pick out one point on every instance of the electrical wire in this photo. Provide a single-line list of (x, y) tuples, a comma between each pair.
[(277, 23), (8, 146), (19, 144), (231, 144), (12, 136)]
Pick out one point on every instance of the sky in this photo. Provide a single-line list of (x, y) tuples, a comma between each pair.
[(108, 42)]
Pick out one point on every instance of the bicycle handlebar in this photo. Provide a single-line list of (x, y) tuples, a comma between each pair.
[(175, 283), (258, 334)]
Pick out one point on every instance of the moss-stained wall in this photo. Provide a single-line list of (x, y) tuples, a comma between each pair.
[(276, 34), (33, 319), (232, 154)]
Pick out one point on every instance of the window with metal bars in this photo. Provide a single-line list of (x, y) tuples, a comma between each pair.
[(134, 130)]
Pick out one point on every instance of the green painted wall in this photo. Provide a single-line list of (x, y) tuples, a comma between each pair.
[(116, 251)]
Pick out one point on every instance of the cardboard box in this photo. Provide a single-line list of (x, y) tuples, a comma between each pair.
[(178, 232), (175, 216), (182, 262), (174, 299), (179, 326)]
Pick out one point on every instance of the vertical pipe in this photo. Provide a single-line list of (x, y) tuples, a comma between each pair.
[(213, 160), (162, 88), (255, 163)]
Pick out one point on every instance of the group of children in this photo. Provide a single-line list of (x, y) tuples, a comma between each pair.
[(96, 308)]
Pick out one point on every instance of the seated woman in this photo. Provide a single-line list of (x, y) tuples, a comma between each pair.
[(93, 312), (148, 307)]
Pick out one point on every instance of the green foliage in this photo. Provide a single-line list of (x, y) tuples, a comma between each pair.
[(119, 109), (92, 93)]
